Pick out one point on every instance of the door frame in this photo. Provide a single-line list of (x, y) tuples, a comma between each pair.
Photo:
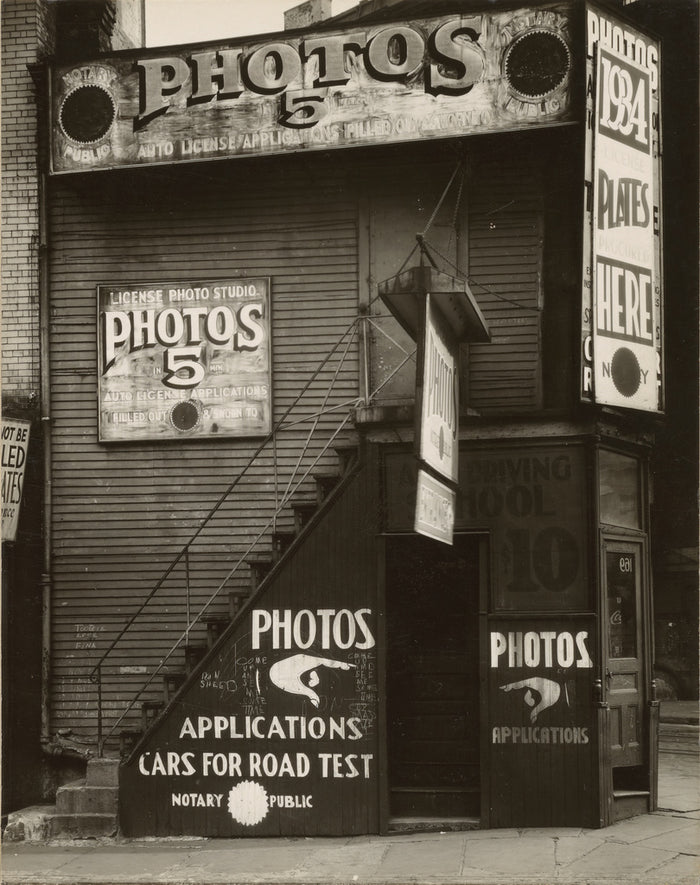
[(612, 540), (484, 553)]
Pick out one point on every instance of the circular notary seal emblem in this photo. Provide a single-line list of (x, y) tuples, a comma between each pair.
[(536, 63), (248, 803), (625, 372), (87, 113), (186, 415)]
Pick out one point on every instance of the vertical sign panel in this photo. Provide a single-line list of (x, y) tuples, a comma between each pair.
[(541, 722), (15, 444), (435, 508), (625, 315), (183, 360), (622, 308), (438, 396)]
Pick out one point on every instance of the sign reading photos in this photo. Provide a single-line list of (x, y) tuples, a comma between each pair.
[(437, 77), (184, 360), (622, 295)]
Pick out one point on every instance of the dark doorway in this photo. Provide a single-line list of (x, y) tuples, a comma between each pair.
[(432, 594)]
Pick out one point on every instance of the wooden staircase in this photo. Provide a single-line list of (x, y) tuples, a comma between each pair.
[(87, 808), (260, 564)]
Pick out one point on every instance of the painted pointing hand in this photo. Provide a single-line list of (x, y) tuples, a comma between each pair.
[(286, 674), (548, 691)]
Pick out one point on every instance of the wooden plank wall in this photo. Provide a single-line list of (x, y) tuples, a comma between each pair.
[(492, 230), (506, 228), (123, 511)]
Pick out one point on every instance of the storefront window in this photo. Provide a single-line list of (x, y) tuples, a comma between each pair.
[(619, 490)]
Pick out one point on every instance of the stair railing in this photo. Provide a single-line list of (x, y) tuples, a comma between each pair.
[(96, 673), (184, 635)]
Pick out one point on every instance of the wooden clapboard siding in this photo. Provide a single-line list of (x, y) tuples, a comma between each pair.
[(505, 272), (122, 512), (497, 245)]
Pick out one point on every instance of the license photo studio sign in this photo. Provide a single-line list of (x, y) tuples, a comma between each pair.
[(409, 80), (184, 360)]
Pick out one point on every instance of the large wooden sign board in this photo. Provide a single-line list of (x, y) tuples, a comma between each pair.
[(434, 77), (184, 359), (622, 305)]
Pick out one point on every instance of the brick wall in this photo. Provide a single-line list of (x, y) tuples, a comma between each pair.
[(27, 34)]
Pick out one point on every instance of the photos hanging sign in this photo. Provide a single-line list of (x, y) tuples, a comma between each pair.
[(622, 314), (184, 360), (369, 84), (438, 396)]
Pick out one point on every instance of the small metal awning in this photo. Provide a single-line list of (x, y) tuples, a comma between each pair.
[(405, 293)]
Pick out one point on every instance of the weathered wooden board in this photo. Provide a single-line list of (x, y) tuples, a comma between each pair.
[(541, 728), (184, 359), (276, 732), (411, 80)]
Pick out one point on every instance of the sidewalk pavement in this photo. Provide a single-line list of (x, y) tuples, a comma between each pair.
[(661, 848)]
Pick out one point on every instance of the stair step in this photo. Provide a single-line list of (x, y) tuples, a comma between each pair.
[(193, 655), (236, 600), (29, 824), (347, 453), (102, 772), (281, 542), (78, 798), (629, 803), (260, 565), (128, 738), (432, 824), (303, 507), (150, 710), (172, 683), (216, 624), (82, 826), (325, 483)]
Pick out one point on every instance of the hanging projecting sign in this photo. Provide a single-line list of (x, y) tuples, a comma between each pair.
[(371, 84), (15, 445), (622, 289), (435, 508), (184, 360), (437, 396)]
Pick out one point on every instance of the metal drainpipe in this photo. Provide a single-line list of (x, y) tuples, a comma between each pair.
[(46, 587)]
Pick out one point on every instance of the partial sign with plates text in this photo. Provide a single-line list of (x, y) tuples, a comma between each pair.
[(622, 297), (15, 447)]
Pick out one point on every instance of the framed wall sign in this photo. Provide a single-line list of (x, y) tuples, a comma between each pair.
[(184, 359)]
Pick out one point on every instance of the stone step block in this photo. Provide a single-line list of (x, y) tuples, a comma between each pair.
[(78, 798), (82, 826), (28, 824), (102, 772)]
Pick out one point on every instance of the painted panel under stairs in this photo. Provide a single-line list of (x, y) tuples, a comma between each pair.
[(275, 731)]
